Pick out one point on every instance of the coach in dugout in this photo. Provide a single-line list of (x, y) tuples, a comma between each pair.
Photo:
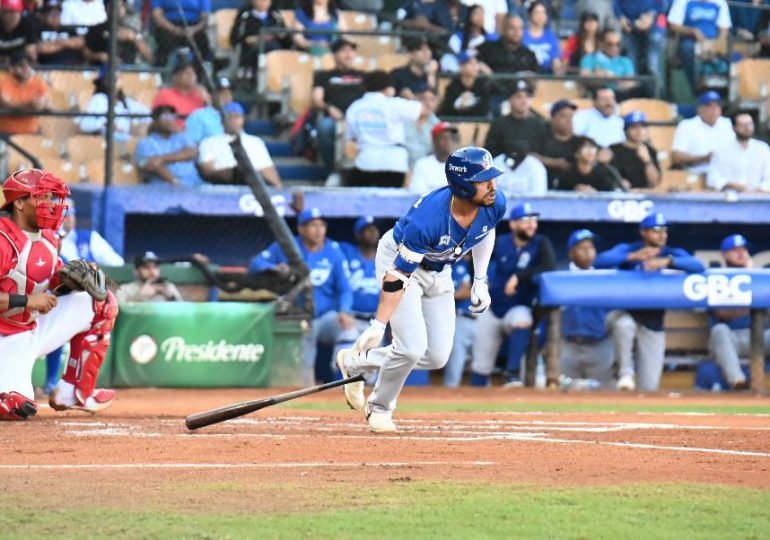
[(645, 327)]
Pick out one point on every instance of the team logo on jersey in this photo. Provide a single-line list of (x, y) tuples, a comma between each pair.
[(143, 349), (444, 240), (524, 259), (719, 289)]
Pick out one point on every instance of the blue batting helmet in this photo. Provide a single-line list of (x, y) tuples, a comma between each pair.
[(466, 166)]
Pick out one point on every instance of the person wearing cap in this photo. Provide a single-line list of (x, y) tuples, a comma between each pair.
[(420, 70), (361, 273), (184, 94), (217, 162), (253, 16), (558, 150), (730, 332), (524, 173), (743, 165), (704, 23), (132, 44), (520, 125), (206, 121), (468, 92), (586, 345), (166, 154), (332, 296), (22, 91), (517, 260), (696, 138), (541, 40), (428, 172), (57, 44), (18, 32), (508, 54), (644, 327), (173, 22), (601, 122), (149, 285), (333, 92), (635, 159)]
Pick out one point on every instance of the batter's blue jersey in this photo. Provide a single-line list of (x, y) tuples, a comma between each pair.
[(362, 278), (433, 238), (331, 289)]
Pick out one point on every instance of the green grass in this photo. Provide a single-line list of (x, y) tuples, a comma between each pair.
[(428, 510)]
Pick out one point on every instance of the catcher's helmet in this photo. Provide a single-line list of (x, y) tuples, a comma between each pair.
[(47, 192), (467, 166)]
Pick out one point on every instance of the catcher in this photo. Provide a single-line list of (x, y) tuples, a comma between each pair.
[(44, 304)]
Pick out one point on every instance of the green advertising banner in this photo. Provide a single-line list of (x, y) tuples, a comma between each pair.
[(198, 345)]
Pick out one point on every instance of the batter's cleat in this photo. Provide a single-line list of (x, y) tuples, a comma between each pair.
[(627, 383), (380, 422), (512, 381), (741, 384), (354, 392), (99, 400)]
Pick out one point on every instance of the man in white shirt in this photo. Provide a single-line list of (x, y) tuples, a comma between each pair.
[(524, 174), (376, 124), (742, 165), (696, 139), (602, 123), (216, 160), (83, 13), (428, 173)]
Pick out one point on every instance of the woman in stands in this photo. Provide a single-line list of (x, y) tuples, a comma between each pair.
[(584, 42), (252, 16), (317, 15), (471, 36), (541, 40)]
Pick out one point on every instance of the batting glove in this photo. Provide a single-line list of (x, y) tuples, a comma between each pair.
[(480, 298), (370, 338)]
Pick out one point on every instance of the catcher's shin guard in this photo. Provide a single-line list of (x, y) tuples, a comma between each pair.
[(88, 349), (14, 406)]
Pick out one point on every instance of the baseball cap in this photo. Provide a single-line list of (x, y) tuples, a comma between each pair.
[(561, 105), (709, 97), (146, 257), (362, 223), (466, 56), (11, 5), (50, 5), (442, 127), (234, 108), (521, 85), (634, 118), (521, 211), (308, 214), (342, 42), (734, 241), (653, 220), (223, 83), (578, 236), (160, 110)]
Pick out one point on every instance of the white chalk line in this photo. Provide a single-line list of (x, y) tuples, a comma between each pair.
[(279, 465)]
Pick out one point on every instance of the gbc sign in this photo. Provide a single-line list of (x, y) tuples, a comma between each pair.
[(719, 290), (630, 211)]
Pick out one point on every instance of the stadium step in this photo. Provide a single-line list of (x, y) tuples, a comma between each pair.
[(278, 148), (261, 128), (296, 168)]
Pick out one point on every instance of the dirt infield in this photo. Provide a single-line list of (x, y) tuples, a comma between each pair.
[(127, 452)]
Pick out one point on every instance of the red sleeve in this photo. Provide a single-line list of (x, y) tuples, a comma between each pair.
[(569, 48), (161, 98), (6, 256)]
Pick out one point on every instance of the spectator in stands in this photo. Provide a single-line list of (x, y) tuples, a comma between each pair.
[(587, 173), (465, 324), (171, 27), (83, 12), (509, 54), (206, 121), (216, 158), (702, 22), (468, 92), (608, 62), (644, 327), (742, 165), (166, 155), (376, 123), (541, 40), (521, 124), (524, 174), (603, 9), (418, 135), (428, 172), (635, 159), (643, 38), (586, 347), (184, 94), (57, 44), (420, 70), (313, 15), (467, 40), (601, 123), (558, 150), (149, 285), (696, 139), (440, 16), (332, 295), (333, 92), (21, 91), (17, 32), (132, 45), (495, 12), (250, 19), (730, 334), (583, 42), (123, 105), (746, 18)]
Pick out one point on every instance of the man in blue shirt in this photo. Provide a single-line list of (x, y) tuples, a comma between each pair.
[(173, 20), (413, 265), (332, 295), (645, 327), (518, 259), (206, 121), (465, 324)]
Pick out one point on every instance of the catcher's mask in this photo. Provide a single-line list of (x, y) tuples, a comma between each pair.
[(47, 193)]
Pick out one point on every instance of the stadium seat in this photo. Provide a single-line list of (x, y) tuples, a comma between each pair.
[(390, 61), (223, 21), (57, 127), (376, 46), (71, 82), (356, 20), (145, 97), (86, 148), (549, 90), (39, 146), (288, 79), (467, 132), (64, 169), (123, 173), (134, 82), (481, 134), (656, 110), (63, 101), (662, 139), (751, 85), (676, 181)]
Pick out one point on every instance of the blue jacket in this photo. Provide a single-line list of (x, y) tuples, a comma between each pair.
[(633, 9), (363, 279)]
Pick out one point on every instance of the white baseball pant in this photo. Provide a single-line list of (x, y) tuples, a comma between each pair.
[(650, 348), (728, 345), (491, 331)]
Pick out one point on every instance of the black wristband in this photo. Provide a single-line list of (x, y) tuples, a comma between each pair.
[(17, 300)]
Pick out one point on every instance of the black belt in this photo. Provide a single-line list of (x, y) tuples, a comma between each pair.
[(432, 266), (583, 340)]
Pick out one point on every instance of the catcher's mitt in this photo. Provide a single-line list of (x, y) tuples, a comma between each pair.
[(82, 275)]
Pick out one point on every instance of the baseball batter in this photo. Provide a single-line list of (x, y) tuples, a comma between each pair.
[(34, 321), (417, 298)]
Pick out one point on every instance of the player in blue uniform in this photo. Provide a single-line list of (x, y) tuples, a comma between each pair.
[(518, 259), (417, 299), (465, 324), (332, 295)]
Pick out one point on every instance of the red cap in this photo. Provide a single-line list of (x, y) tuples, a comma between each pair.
[(12, 5), (438, 128)]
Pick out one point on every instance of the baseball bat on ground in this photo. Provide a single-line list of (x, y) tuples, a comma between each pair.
[(214, 416)]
